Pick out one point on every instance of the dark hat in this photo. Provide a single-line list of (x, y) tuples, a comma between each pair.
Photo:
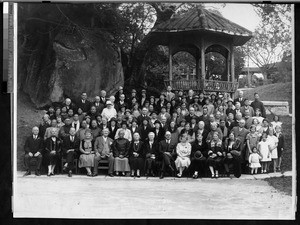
[(145, 118), (153, 113), (196, 96), (157, 121), (128, 110), (133, 90), (143, 90), (194, 117), (124, 122), (229, 100), (113, 119), (152, 96), (198, 154)]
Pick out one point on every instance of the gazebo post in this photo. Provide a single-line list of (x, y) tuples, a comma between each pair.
[(232, 66), (228, 66), (170, 66), (202, 50), (198, 75)]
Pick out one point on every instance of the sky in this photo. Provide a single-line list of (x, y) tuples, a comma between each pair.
[(242, 14)]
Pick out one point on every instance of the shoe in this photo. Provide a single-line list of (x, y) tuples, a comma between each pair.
[(138, 176), (212, 176), (117, 173), (37, 173), (95, 174), (64, 169), (195, 176), (70, 174), (216, 176), (123, 174), (161, 176), (179, 175), (51, 174), (132, 175), (152, 174), (89, 175), (111, 175), (27, 173)]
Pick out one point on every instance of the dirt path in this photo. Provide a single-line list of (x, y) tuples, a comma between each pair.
[(105, 197)]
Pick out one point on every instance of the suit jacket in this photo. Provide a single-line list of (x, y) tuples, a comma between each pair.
[(230, 110), (202, 148), (188, 118), (164, 147), (112, 132), (144, 132), (150, 150), (141, 118), (238, 100), (232, 125), (42, 129), (51, 145), (138, 149), (118, 105), (103, 101), (68, 144), (99, 108), (33, 146), (99, 144), (84, 106), (204, 118), (160, 136)]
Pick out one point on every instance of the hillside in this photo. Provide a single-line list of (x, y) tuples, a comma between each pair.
[(272, 92)]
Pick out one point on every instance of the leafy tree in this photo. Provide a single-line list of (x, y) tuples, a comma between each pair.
[(272, 37)]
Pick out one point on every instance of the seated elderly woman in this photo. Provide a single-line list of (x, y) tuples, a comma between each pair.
[(199, 156), (232, 152), (86, 148), (136, 156), (215, 155), (127, 132), (52, 151), (120, 148), (150, 151), (183, 150)]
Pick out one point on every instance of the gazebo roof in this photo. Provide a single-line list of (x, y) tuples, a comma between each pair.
[(199, 19)]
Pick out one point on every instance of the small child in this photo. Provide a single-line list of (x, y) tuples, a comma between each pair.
[(254, 158), (263, 148)]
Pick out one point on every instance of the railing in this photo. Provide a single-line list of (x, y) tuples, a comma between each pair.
[(220, 86), (209, 85), (184, 84)]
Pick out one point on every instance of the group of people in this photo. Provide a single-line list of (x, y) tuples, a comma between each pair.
[(175, 134)]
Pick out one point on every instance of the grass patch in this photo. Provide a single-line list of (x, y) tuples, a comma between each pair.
[(272, 92), (282, 184)]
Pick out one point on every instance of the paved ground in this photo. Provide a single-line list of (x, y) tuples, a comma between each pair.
[(125, 197)]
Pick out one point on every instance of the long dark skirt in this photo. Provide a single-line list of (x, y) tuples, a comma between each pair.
[(236, 161), (198, 165), (216, 162), (50, 159), (136, 163)]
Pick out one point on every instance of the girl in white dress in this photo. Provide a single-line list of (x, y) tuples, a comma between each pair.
[(273, 141), (183, 150), (254, 161), (263, 148)]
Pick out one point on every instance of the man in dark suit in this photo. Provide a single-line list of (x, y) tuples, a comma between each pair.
[(121, 103), (257, 104), (103, 97), (230, 123), (83, 103), (44, 125), (144, 129), (191, 115), (151, 152), (205, 116), (166, 151), (99, 105), (33, 149), (70, 149), (143, 116), (240, 98)]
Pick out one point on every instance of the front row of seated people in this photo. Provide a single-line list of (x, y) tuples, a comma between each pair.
[(206, 151)]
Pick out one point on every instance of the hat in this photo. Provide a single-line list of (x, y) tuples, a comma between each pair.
[(127, 110), (120, 88), (143, 90), (198, 154), (157, 121), (123, 122), (133, 90), (153, 113), (229, 100), (113, 119), (163, 94), (108, 103), (152, 96), (196, 96)]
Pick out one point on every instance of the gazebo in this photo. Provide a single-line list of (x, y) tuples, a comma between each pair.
[(198, 32)]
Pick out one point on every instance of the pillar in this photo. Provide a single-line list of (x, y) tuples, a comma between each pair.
[(228, 66), (232, 63), (170, 66), (202, 53), (198, 75)]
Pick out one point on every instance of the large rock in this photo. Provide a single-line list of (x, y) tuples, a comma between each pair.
[(72, 64)]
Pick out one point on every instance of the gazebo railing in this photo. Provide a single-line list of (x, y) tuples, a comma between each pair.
[(183, 84), (209, 85), (220, 86)]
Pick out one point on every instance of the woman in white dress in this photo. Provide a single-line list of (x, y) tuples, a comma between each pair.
[(273, 141), (183, 150), (276, 122)]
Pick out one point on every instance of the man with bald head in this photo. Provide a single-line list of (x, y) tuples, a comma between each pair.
[(69, 104), (33, 148), (103, 151), (166, 151), (98, 104), (70, 149)]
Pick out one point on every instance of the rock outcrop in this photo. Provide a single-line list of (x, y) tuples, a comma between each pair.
[(69, 64)]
